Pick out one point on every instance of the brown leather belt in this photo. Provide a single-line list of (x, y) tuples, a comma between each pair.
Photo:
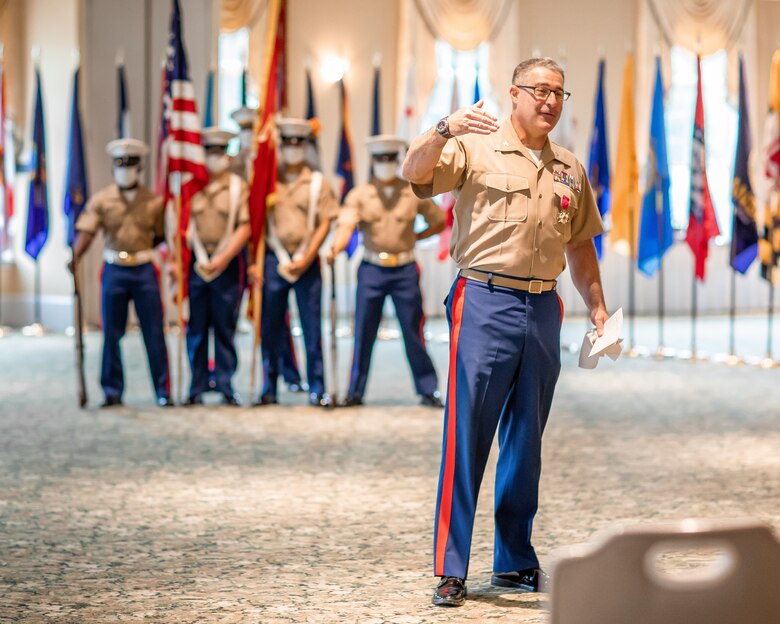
[(385, 259), (534, 286)]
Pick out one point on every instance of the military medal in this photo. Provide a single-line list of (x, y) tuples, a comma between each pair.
[(563, 213)]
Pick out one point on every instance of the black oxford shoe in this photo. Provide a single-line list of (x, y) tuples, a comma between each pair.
[(164, 401), (351, 401), (195, 399), (431, 400), (234, 400), (450, 592), (111, 401), (320, 400), (266, 399), (531, 580)]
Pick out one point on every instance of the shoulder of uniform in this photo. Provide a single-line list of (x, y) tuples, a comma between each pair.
[(564, 155)]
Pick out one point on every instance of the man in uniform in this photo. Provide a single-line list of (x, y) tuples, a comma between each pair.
[(385, 210), (242, 165), (218, 232), (522, 204), (298, 223), (131, 218)]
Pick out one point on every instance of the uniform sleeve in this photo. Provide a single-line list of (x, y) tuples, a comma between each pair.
[(243, 204), (586, 222), (449, 172), (350, 211), (434, 216), (90, 218), (328, 206)]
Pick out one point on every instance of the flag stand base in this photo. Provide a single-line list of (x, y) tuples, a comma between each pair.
[(5, 331), (35, 330), (768, 363)]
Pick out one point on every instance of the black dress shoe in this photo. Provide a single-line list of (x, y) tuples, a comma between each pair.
[(320, 400), (431, 400), (266, 399), (195, 399), (111, 401), (234, 400), (297, 386), (351, 401), (530, 580), (164, 401), (450, 592)]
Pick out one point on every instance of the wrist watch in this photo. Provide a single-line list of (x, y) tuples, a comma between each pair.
[(443, 128)]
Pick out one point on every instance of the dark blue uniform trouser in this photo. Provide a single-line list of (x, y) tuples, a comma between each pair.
[(288, 363), (308, 294), (402, 284), (121, 284), (214, 308), (504, 363)]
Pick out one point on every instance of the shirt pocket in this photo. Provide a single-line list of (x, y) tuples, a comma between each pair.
[(508, 197)]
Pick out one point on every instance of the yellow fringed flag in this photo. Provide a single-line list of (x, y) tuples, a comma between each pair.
[(625, 179), (769, 243)]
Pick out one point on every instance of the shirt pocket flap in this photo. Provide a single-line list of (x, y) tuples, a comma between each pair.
[(506, 182)]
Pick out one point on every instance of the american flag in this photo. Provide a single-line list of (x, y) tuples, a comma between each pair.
[(183, 159)]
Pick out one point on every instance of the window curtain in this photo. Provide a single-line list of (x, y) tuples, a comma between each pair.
[(464, 24), (235, 14)]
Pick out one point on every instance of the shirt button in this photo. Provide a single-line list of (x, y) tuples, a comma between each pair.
[(539, 224), (540, 195), (536, 249), (507, 187)]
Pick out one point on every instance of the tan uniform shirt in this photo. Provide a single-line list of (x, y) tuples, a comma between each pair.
[(241, 163), (387, 224), (211, 208), (128, 226), (290, 211), (512, 216)]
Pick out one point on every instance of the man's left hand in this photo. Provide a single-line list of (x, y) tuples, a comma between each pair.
[(598, 317)]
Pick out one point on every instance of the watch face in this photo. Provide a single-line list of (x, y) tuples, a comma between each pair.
[(443, 127)]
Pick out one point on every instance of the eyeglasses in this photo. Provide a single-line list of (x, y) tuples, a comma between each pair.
[(542, 93)]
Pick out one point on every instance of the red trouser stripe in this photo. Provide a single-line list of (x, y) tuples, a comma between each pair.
[(560, 303), (445, 504)]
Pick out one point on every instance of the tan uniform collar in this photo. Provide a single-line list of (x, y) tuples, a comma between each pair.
[(141, 193), (303, 178), (218, 183), (506, 140), (398, 187)]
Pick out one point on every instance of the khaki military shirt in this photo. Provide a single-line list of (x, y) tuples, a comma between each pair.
[(241, 163), (512, 216), (211, 208), (387, 223), (290, 210), (128, 226)]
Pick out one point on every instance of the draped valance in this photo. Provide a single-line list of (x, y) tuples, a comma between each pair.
[(464, 24)]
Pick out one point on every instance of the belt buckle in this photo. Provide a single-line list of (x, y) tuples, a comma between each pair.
[(123, 256), (388, 259), (535, 287)]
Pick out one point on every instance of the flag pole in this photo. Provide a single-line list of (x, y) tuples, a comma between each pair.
[(732, 358), (632, 351), (257, 310), (333, 344), (694, 311), (659, 213), (78, 322), (768, 361), (179, 286)]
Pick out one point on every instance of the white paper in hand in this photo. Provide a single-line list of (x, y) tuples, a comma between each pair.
[(612, 329)]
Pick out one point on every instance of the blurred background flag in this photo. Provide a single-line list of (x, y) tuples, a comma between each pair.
[(769, 243), (344, 163), (598, 163), (625, 182), (38, 202), (313, 150), (702, 223), (208, 108), (123, 130), (7, 166), (76, 177), (655, 227), (744, 233)]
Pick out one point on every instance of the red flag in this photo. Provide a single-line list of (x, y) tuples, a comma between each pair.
[(7, 166), (702, 223), (264, 177)]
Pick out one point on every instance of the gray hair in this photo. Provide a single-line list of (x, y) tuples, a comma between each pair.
[(526, 66)]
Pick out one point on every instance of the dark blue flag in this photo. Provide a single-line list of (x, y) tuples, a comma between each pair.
[(744, 233), (477, 94), (123, 107), (598, 164), (376, 123), (344, 166), (38, 201), (313, 149), (208, 109), (655, 225), (76, 178)]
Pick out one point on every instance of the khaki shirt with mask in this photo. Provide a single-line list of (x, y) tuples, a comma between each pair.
[(290, 210), (513, 216), (211, 209), (129, 226), (387, 222)]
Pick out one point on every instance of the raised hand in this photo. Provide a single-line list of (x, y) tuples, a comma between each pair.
[(472, 120)]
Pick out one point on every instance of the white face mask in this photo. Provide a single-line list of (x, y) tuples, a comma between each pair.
[(386, 171), (126, 177), (217, 163), (293, 154)]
